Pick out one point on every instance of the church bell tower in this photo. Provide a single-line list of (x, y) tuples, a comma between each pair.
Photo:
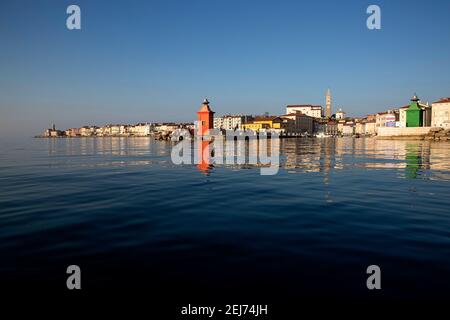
[(328, 104)]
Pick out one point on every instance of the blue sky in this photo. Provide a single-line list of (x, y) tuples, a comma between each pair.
[(156, 60)]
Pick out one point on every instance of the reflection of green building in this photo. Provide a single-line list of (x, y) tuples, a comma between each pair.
[(414, 114), (413, 161)]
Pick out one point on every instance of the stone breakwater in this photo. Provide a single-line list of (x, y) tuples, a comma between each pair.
[(414, 133), (438, 134)]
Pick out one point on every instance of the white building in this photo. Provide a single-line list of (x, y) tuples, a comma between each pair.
[(340, 114), (231, 122), (402, 116), (139, 130), (441, 113), (114, 130), (306, 109), (85, 131), (388, 118), (165, 127), (348, 129)]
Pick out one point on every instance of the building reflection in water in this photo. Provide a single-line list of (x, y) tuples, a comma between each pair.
[(417, 161), (114, 151), (410, 159)]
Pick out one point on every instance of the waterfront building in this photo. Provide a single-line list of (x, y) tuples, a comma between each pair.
[(319, 125), (402, 116), (231, 122), (48, 131), (205, 118), (391, 118), (98, 131), (264, 122), (380, 120), (371, 118), (102, 131), (360, 127), (340, 114), (73, 132), (370, 127), (426, 115), (56, 133), (255, 126), (288, 126), (307, 109), (106, 130), (414, 114), (366, 126), (165, 127), (387, 119), (441, 113), (331, 128), (340, 126), (328, 104), (301, 122), (348, 128), (188, 126), (139, 130), (87, 131), (114, 130), (117, 129), (52, 132)]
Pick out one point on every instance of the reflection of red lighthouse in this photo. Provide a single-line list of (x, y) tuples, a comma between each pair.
[(205, 123), (203, 154)]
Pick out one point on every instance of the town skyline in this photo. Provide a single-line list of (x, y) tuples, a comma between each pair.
[(156, 61), (328, 106), (417, 119)]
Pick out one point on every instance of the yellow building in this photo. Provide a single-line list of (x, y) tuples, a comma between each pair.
[(263, 123), (254, 126)]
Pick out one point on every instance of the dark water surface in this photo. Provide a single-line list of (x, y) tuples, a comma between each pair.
[(131, 219)]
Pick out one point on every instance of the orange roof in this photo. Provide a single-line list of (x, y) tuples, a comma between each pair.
[(443, 100)]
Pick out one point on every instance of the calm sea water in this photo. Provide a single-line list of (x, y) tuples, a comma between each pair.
[(132, 220)]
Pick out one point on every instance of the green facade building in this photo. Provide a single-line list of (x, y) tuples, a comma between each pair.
[(414, 114)]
